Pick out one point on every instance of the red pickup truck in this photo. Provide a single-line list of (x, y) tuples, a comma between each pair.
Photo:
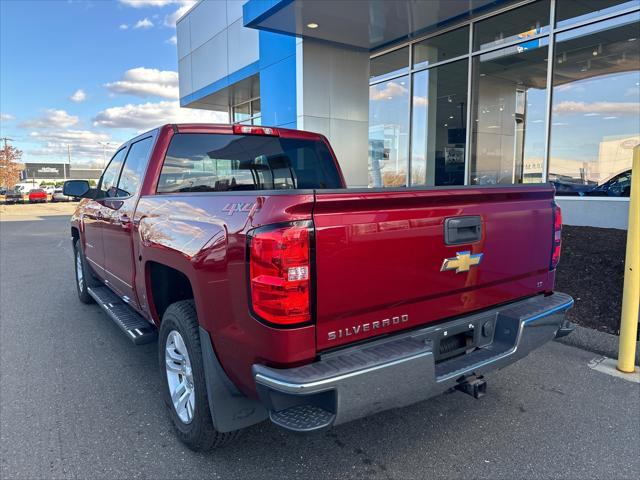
[(276, 292)]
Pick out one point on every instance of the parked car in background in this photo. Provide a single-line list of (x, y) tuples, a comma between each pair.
[(25, 187), (277, 293), (617, 186), (13, 195), (59, 196), (37, 195), (49, 189)]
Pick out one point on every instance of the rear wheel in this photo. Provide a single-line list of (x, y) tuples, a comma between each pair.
[(182, 370)]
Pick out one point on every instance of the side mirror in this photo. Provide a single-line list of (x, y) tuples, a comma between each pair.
[(76, 188)]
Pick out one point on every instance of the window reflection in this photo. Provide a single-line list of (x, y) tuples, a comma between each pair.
[(439, 120), (442, 47), (573, 11), (511, 26), (388, 133), (389, 64), (134, 167), (596, 108), (508, 119)]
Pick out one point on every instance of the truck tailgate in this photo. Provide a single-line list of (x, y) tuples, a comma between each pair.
[(380, 256)]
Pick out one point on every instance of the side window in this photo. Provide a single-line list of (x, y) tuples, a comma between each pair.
[(134, 167), (110, 175)]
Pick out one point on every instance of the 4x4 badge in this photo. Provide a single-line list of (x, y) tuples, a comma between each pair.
[(462, 262)]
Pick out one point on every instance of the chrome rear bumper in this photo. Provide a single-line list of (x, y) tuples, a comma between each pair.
[(403, 369)]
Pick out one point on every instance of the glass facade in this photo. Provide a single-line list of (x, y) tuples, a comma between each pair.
[(596, 107), (247, 113), (438, 127), (509, 111), (542, 90)]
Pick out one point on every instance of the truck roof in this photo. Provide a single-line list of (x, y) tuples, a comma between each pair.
[(229, 128)]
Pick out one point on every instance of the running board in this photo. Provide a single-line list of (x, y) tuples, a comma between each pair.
[(135, 327)]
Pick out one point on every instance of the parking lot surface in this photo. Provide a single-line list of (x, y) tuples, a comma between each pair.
[(77, 399)]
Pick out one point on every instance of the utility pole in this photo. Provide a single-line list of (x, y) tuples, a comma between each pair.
[(6, 139)]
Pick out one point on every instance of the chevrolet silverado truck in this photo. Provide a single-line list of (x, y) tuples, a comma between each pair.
[(275, 292)]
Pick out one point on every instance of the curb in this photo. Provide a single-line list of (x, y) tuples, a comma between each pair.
[(596, 342)]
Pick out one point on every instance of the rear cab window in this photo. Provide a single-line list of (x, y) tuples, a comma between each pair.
[(203, 162)]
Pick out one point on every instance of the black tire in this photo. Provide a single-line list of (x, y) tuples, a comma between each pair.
[(87, 274), (199, 435)]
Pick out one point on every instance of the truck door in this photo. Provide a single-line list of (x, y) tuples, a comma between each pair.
[(93, 214), (118, 227)]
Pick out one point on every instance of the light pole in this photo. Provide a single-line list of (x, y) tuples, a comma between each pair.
[(64, 169), (104, 153)]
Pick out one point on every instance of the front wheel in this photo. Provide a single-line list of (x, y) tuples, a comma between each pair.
[(84, 277), (182, 370)]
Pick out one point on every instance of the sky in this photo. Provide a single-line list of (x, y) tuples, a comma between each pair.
[(86, 72)]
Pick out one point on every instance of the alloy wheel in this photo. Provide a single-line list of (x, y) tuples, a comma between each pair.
[(180, 377)]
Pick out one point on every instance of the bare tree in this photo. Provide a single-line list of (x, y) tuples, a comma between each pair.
[(9, 166)]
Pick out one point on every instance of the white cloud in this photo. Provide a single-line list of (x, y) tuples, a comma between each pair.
[(173, 40), (390, 90), (146, 3), (123, 26), (78, 96), (147, 82), (144, 23), (596, 108), (85, 144), (5, 117), (52, 118), (145, 116), (171, 19)]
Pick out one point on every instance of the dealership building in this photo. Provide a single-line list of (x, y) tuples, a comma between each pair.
[(435, 92), (37, 173)]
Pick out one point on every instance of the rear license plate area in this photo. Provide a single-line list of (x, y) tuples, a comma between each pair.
[(454, 344)]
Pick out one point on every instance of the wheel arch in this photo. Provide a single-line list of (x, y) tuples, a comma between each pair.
[(165, 285)]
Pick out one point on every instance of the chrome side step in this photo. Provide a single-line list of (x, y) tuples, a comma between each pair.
[(134, 326)]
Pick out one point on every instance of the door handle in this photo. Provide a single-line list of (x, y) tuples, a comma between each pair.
[(461, 230), (125, 221)]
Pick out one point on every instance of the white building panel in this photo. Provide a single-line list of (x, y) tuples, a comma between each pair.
[(243, 46), (207, 65)]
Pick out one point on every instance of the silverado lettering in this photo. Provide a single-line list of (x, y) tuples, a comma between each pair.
[(365, 327), (282, 312)]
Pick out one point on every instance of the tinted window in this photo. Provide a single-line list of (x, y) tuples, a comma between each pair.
[(440, 48), (134, 167), (570, 11), (111, 173), (197, 162), (518, 24), (389, 64)]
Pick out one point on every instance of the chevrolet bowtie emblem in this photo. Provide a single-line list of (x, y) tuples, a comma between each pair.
[(462, 262)]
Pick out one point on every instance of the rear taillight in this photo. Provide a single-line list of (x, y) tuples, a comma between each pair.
[(280, 273), (557, 236)]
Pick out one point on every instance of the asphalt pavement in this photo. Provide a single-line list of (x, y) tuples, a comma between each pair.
[(77, 399)]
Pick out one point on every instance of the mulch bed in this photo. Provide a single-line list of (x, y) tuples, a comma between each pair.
[(591, 270)]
